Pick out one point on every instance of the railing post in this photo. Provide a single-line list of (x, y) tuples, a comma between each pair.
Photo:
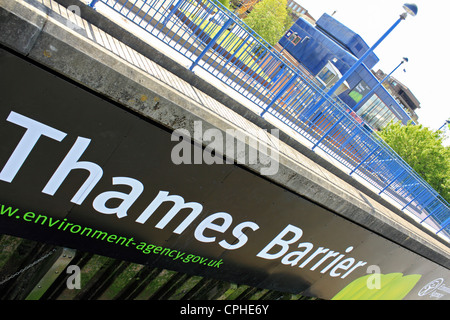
[(445, 224), (359, 62), (438, 209), (425, 204), (93, 3), (393, 180), (365, 159), (309, 110), (328, 132), (237, 50), (175, 8), (279, 94), (212, 42), (407, 205)]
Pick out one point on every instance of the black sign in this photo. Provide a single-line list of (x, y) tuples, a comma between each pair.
[(79, 171)]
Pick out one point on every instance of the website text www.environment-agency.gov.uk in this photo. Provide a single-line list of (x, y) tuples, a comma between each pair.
[(144, 247)]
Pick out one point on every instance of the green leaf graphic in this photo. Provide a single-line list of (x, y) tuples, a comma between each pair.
[(393, 286)]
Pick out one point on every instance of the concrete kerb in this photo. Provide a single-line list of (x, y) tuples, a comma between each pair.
[(164, 107)]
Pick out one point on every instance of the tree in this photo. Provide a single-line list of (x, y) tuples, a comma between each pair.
[(424, 151), (269, 19), (225, 3)]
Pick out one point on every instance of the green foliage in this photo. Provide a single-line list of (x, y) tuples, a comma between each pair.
[(226, 3), (270, 19), (424, 151), (393, 286)]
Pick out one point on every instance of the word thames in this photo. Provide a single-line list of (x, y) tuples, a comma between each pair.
[(211, 229)]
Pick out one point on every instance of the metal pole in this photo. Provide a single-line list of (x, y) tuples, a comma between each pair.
[(436, 210), (364, 99), (446, 123), (93, 3), (445, 224), (328, 132), (174, 9), (361, 60), (414, 199), (211, 43), (393, 180), (365, 159), (279, 94)]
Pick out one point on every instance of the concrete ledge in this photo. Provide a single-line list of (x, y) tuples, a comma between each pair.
[(32, 31), (18, 35)]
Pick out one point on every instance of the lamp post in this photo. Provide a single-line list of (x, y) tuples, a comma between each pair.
[(410, 9), (447, 122), (367, 96)]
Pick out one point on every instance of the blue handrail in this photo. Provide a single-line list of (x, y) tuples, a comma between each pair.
[(216, 40)]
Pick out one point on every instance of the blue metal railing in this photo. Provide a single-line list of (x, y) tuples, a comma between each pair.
[(214, 39)]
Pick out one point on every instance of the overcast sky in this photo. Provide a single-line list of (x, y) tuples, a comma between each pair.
[(423, 39)]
